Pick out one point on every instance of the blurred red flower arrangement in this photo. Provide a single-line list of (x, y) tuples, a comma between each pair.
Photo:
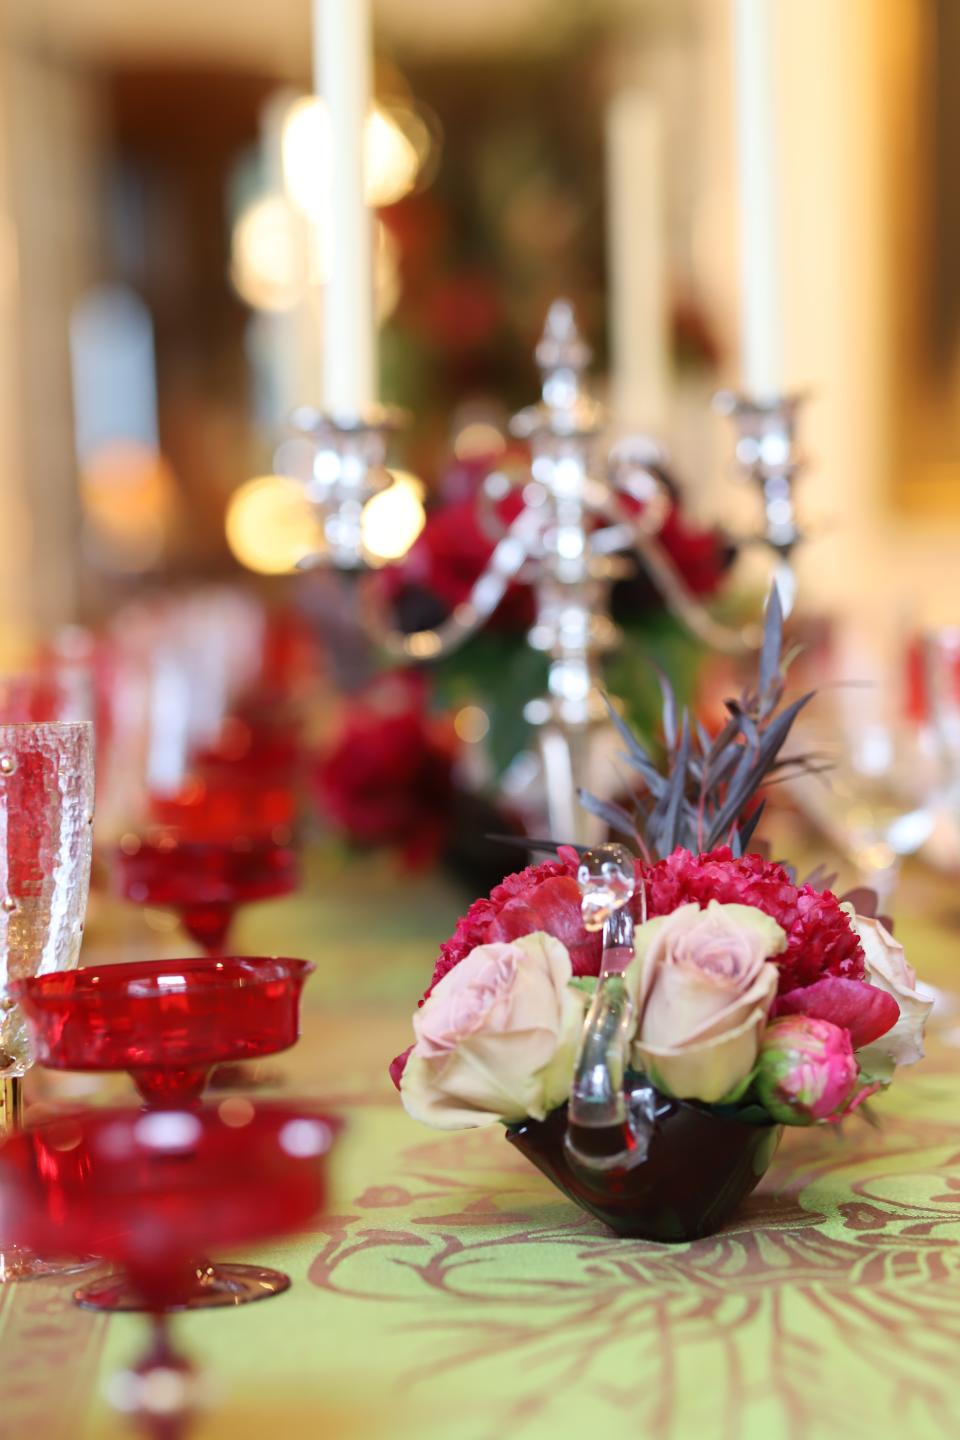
[(387, 776)]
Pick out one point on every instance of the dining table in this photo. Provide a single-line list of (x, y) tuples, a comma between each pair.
[(448, 1292)]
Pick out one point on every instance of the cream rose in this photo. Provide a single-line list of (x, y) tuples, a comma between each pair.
[(703, 988), (888, 969), (497, 1038)]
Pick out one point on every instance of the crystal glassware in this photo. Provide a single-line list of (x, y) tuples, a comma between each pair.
[(872, 789), (166, 1022), (148, 1191), (46, 830), (940, 703), (204, 881)]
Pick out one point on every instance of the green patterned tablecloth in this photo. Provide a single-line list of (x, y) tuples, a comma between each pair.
[(452, 1294)]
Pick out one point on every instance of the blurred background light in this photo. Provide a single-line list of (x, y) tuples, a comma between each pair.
[(392, 520), (472, 724), (113, 370), (398, 145), (128, 498), (270, 525), (268, 255), (478, 439)]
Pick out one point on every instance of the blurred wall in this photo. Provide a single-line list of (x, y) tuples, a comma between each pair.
[(50, 140), (844, 73)]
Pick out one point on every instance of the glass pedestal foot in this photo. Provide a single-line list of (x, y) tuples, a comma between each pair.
[(17, 1264), (216, 1286)]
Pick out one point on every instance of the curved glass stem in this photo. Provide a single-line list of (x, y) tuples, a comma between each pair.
[(597, 1097), (208, 925), (158, 1392), (606, 1131)]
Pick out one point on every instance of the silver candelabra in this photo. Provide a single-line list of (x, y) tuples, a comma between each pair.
[(589, 510)]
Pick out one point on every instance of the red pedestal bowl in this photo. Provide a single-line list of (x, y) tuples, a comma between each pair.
[(166, 1022), (205, 881), (150, 1190)]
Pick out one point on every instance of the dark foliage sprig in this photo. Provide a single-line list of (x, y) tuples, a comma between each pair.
[(706, 793)]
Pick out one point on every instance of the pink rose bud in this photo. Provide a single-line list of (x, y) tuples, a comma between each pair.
[(806, 1071)]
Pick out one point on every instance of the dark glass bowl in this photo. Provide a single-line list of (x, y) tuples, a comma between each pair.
[(700, 1166)]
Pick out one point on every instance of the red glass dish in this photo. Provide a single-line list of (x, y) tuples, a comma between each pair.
[(255, 750), (205, 881), (148, 1191), (166, 1022), (217, 806)]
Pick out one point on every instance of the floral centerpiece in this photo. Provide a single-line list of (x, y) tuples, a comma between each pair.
[(743, 999)]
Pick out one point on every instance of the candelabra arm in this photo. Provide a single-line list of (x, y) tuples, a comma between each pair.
[(504, 565), (682, 603), (636, 478)]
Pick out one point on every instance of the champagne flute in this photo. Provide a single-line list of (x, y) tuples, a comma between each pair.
[(46, 830)]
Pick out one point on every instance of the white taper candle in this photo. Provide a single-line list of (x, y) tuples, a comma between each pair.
[(342, 39), (759, 209), (636, 244)]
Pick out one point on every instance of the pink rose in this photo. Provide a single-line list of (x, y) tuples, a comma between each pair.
[(497, 1037), (807, 1071), (703, 988), (888, 970)]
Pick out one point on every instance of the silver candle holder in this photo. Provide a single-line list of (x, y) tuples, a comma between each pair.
[(767, 453), (349, 468)]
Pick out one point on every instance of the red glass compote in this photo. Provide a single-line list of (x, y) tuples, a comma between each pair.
[(150, 1190), (205, 880), (166, 1022), (220, 806), (257, 751)]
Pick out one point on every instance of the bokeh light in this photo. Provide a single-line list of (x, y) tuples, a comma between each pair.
[(478, 439), (268, 259), (392, 520), (270, 525), (397, 146), (471, 724), (128, 496)]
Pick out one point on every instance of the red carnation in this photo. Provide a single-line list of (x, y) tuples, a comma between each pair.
[(542, 897), (820, 939)]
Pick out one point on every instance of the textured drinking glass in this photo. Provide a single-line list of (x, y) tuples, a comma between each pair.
[(46, 831)]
